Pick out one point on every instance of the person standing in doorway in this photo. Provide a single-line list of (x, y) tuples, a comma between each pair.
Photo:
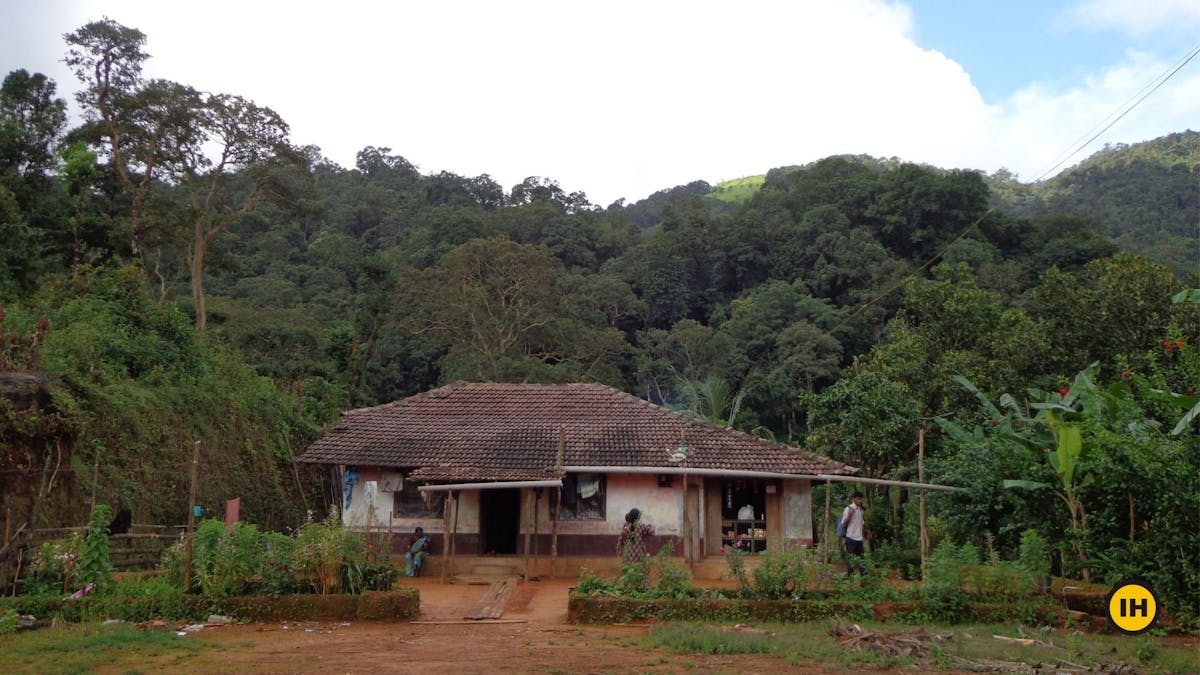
[(852, 524)]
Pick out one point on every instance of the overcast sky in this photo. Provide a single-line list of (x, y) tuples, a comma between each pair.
[(621, 99)]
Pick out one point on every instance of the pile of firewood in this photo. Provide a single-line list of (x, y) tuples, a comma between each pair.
[(916, 643)]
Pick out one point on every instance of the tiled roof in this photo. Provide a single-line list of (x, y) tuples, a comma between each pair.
[(491, 431)]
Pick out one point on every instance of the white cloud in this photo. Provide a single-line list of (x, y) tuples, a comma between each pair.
[(1037, 127), (1139, 17), (622, 98)]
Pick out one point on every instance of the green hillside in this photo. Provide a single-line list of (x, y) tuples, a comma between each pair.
[(738, 190)]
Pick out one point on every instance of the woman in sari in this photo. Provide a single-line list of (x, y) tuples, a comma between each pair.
[(418, 549)]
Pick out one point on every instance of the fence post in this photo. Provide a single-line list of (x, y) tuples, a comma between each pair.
[(191, 519)]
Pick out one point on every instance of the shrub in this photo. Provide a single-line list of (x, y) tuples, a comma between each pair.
[(592, 584), (54, 566), (94, 566), (943, 595), (225, 562), (143, 599), (1034, 556), (324, 549), (781, 574)]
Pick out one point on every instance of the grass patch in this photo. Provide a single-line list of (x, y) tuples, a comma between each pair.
[(78, 648), (738, 190), (811, 644)]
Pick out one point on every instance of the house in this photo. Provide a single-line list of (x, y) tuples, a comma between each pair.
[(490, 467)]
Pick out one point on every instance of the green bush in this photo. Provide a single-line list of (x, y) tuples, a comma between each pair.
[(780, 574), (943, 593), (1034, 554), (144, 599), (54, 567), (327, 552), (94, 566), (8, 622)]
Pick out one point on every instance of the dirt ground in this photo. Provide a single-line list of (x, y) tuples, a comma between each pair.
[(532, 636)]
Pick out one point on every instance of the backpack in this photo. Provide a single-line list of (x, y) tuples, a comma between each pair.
[(841, 526)]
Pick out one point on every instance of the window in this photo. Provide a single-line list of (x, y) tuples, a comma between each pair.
[(582, 497), (409, 502)]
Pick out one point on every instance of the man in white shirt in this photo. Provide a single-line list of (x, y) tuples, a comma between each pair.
[(852, 523)]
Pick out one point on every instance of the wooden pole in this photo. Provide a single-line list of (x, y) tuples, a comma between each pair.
[(558, 471), (825, 519), (446, 535), (537, 500), (191, 518), (454, 532), (526, 498), (921, 496), (554, 533)]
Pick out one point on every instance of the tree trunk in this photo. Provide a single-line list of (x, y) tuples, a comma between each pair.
[(200, 248)]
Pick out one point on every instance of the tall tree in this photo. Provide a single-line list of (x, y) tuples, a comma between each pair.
[(250, 146), (107, 59)]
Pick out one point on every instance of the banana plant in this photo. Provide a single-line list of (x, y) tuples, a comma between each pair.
[(1066, 452)]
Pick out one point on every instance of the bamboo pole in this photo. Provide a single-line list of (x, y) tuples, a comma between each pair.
[(921, 498), (191, 518)]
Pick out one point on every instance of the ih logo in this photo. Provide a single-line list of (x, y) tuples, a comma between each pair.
[(1132, 607)]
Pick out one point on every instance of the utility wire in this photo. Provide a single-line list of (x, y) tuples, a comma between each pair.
[(1128, 106)]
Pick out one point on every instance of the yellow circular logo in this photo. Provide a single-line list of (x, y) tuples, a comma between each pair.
[(1132, 607)]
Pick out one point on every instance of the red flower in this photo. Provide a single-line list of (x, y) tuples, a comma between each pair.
[(1167, 345), (1125, 373), (1179, 344), (1064, 391)]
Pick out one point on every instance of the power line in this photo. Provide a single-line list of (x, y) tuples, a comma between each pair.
[(1128, 107)]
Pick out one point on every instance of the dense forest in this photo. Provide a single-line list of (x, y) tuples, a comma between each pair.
[(175, 270)]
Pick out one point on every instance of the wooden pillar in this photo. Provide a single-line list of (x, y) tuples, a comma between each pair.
[(526, 498), (554, 533), (446, 535), (558, 471), (454, 531), (825, 521)]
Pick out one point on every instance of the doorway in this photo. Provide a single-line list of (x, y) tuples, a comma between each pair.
[(499, 520)]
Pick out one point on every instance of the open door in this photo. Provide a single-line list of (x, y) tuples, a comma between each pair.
[(499, 520)]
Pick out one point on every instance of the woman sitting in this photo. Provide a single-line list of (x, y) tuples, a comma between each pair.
[(418, 549)]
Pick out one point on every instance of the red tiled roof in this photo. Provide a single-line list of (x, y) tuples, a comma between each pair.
[(492, 431)]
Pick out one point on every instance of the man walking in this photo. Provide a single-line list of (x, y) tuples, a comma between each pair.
[(852, 525)]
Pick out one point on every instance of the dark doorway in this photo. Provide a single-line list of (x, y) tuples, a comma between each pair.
[(499, 520)]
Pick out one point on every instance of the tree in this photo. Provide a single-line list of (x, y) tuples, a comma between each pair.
[(107, 59), (1115, 307), (250, 145), (499, 308), (865, 420), (32, 120)]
